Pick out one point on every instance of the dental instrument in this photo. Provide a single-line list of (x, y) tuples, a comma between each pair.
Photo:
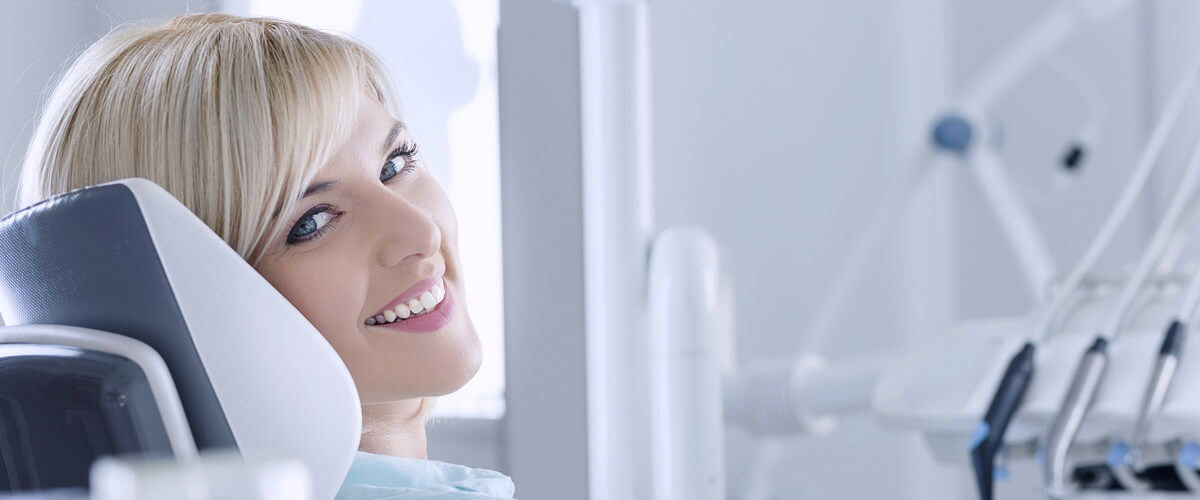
[(989, 435), (1127, 458), (1092, 364)]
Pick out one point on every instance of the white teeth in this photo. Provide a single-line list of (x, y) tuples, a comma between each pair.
[(424, 303)]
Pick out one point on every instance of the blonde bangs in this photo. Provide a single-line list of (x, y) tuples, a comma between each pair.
[(233, 116)]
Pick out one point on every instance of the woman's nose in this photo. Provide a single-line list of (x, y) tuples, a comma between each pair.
[(406, 230)]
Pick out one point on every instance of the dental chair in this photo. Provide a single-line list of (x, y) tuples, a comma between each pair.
[(133, 330)]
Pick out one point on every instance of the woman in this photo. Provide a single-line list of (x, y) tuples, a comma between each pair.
[(283, 139)]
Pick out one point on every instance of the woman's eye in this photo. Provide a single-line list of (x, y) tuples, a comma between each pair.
[(402, 160), (391, 168), (311, 225)]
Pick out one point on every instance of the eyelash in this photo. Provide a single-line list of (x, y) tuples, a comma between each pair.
[(407, 150)]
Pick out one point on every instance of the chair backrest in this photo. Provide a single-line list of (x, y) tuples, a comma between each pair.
[(71, 395), (250, 370)]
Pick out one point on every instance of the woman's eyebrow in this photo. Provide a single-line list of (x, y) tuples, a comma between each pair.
[(317, 188), (313, 189), (397, 127)]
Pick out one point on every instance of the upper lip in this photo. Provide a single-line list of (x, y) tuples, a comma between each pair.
[(415, 291)]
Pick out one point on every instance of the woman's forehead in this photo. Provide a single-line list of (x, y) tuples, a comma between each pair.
[(375, 136)]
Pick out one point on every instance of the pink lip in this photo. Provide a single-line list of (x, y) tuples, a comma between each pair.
[(431, 321), (415, 290)]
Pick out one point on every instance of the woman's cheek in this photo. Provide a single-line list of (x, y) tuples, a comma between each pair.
[(323, 291)]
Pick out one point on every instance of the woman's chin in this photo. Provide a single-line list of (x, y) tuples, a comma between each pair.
[(457, 382)]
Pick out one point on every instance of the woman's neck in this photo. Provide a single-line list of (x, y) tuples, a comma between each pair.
[(395, 428)]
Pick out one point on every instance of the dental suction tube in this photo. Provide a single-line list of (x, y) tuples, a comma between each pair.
[(1092, 365), (989, 434)]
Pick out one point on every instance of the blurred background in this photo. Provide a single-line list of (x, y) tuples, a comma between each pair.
[(775, 126)]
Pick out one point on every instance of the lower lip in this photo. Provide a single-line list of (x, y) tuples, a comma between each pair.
[(427, 322)]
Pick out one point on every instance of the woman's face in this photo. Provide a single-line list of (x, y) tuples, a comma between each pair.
[(375, 236)]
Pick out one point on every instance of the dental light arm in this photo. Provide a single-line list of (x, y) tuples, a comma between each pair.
[(1094, 361)]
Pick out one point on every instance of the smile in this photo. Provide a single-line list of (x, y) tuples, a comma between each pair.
[(423, 303)]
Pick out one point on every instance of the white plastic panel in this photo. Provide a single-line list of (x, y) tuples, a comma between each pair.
[(284, 390)]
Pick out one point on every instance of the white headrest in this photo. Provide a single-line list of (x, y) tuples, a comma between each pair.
[(128, 258)]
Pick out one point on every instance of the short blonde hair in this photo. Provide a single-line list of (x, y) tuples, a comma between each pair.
[(231, 115)]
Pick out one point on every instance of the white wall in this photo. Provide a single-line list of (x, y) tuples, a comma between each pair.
[(37, 41)]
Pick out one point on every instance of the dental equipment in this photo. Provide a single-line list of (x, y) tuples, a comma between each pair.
[(954, 133), (686, 297), (989, 436), (123, 271), (1127, 458), (1092, 364)]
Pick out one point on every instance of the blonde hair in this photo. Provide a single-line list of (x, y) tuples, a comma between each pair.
[(231, 115)]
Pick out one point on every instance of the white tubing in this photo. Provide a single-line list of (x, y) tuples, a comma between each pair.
[(1124, 205), (1176, 213)]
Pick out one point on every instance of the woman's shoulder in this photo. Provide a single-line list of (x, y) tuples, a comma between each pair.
[(379, 477)]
